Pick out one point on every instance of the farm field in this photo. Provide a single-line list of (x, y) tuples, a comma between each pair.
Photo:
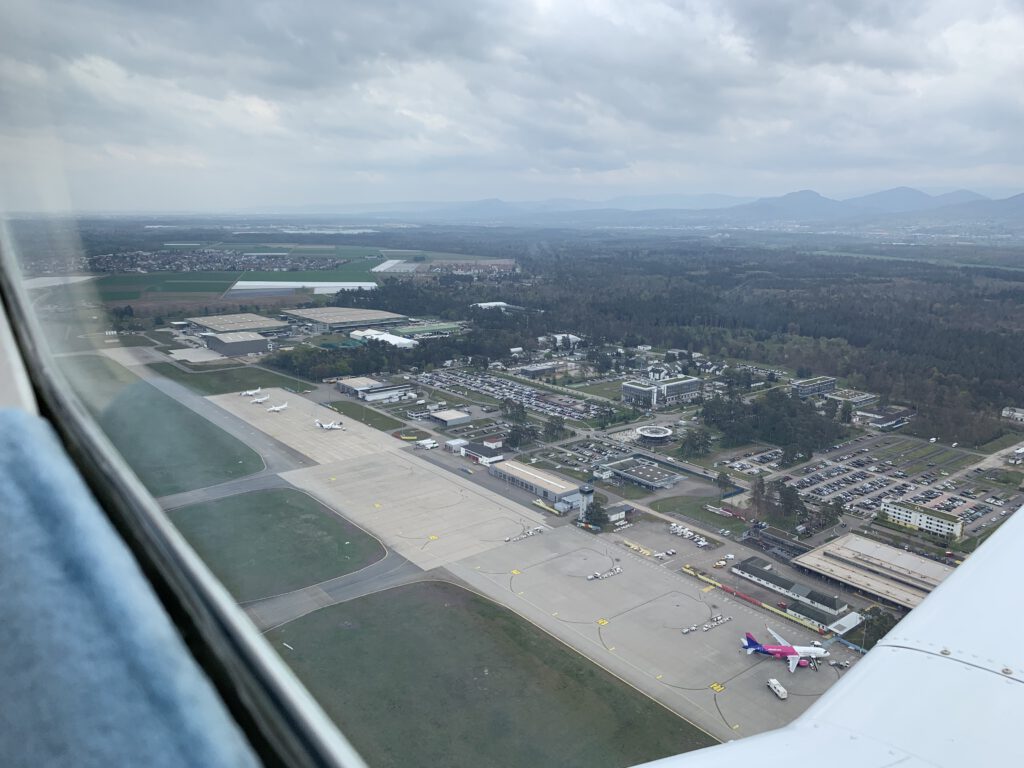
[(235, 379), (356, 271), (170, 448), (445, 677), (269, 542), (118, 287)]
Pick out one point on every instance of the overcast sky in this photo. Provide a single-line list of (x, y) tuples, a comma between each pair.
[(200, 104)]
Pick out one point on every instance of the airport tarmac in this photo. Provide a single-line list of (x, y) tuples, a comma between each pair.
[(382, 484), (631, 624)]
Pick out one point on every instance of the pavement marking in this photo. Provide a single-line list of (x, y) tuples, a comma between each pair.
[(602, 622), (659, 677), (717, 687), (516, 572), (708, 588), (432, 537)]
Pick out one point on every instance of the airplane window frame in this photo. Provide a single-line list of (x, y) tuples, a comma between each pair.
[(281, 720)]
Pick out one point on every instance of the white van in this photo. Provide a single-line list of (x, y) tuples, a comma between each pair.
[(777, 689)]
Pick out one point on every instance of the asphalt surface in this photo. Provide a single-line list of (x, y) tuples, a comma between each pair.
[(391, 571)]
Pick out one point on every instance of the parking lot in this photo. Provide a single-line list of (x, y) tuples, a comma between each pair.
[(863, 472), (536, 400)]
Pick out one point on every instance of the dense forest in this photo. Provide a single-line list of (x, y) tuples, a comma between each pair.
[(947, 340)]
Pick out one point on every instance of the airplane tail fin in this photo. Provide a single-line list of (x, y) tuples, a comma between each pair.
[(750, 644)]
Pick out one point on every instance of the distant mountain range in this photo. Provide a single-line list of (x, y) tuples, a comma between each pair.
[(892, 209)]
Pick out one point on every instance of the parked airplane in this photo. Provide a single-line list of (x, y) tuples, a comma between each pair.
[(796, 655), (331, 425), (259, 400), (277, 408), (250, 392)]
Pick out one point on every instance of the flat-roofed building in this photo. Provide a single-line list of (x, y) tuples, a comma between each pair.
[(243, 321), (329, 319), (451, 417), (356, 385), (886, 573), (819, 385), (759, 571), (545, 485), (921, 518), (643, 472), (481, 454), (651, 394), (852, 396), (238, 343)]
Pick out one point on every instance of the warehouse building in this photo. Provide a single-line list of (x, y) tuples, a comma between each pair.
[(332, 319), (885, 573), (372, 334), (371, 390), (245, 321), (549, 487), (451, 417), (236, 344), (921, 518), (819, 385)]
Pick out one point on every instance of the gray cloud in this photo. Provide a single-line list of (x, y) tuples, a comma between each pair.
[(227, 105)]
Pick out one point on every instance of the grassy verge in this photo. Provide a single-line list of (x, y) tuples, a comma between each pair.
[(430, 674), (1012, 437), (170, 447), (368, 416), (268, 542), (693, 508), (224, 381)]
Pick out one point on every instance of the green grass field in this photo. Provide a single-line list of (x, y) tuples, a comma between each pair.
[(430, 674), (368, 416), (268, 542), (117, 287), (170, 448), (1012, 437), (608, 389), (693, 507), (232, 380)]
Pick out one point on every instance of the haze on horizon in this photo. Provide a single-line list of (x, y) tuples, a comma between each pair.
[(230, 106)]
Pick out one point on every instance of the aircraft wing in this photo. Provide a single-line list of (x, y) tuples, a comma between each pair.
[(793, 660), (932, 659), (778, 638)]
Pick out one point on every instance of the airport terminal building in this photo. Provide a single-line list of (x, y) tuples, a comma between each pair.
[(551, 488)]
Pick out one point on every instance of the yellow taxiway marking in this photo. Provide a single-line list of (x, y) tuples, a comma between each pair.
[(555, 613), (376, 504), (736, 727), (602, 622), (516, 572), (708, 588), (432, 537), (612, 648), (333, 479), (717, 687), (659, 677), (520, 593)]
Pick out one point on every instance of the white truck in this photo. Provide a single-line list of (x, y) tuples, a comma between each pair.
[(776, 687)]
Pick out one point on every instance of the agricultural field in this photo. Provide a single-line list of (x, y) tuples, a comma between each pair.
[(356, 271), (268, 542), (121, 287), (367, 416), (431, 674), (170, 448), (235, 379)]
